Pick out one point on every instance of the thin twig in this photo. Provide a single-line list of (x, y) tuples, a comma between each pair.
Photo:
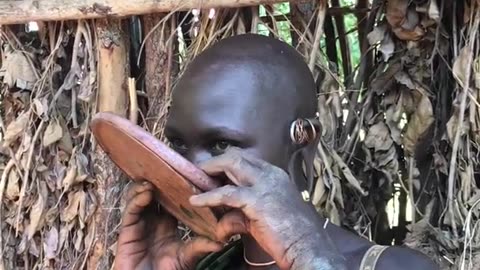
[(160, 23), (10, 151), (469, 232), (73, 64), (322, 11), (3, 183), (362, 71), (271, 19), (19, 45), (133, 100), (410, 187), (255, 20), (74, 108), (27, 174), (461, 117), (326, 163), (90, 245), (170, 48)]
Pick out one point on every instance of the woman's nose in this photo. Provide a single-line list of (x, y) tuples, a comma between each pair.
[(199, 156)]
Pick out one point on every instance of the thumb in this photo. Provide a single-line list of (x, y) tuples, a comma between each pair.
[(195, 249)]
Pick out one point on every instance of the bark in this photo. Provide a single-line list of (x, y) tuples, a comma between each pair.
[(15, 12), (160, 65), (113, 67), (299, 22), (113, 73)]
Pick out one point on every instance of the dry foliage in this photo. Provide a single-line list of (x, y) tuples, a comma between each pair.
[(407, 123), (47, 186)]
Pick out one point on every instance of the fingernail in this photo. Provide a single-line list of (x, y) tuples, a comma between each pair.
[(193, 199), (145, 183)]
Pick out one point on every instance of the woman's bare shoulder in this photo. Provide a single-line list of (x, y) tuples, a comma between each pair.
[(401, 258)]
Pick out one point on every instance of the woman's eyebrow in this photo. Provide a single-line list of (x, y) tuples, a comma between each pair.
[(224, 132)]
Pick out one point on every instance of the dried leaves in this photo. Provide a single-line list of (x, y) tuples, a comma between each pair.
[(50, 244), (434, 11), (352, 180), (396, 12), (73, 209), (38, 211), (50, 194), (461, 65), (378, 137), (16, 128), (404, 20), (16, 70), (12, 191), (381, 36), (418, 125), (419, 112), (53, 133)]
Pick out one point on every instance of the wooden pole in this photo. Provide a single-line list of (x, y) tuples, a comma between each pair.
[(344, 44), (322, 11), (363, 8), (113, 74), (23, 11), (159, 66), (113, 70)]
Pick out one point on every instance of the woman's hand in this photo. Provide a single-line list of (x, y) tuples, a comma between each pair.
[(268, 206), (148, 237)]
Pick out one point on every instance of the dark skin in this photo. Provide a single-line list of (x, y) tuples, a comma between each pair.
[(230, 116)]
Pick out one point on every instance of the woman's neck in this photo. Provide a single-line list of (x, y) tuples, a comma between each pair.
[(255, 254)]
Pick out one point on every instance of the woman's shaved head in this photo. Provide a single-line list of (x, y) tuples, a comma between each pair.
[(243, 91), (279, 68)]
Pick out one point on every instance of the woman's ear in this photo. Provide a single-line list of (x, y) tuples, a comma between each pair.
[(295, 170), (305, 134), (300, 166), (308, 155)]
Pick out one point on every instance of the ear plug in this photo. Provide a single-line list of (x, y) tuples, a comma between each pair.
[(303, 131)]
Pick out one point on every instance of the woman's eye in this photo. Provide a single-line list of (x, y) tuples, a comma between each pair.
[(221, 146)]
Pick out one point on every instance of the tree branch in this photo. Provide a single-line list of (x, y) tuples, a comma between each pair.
[(16, 12)]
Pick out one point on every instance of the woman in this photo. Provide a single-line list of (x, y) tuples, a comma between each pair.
[(232, 113)]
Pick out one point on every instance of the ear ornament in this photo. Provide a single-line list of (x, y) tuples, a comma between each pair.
[(303, 131)]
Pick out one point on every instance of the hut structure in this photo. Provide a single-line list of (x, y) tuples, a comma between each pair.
[(398, 99)]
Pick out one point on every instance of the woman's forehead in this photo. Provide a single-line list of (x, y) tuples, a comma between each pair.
[(243, 95), (225, 98), (204, 115)]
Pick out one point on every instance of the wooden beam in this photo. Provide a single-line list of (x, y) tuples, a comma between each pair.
[(23, 11)]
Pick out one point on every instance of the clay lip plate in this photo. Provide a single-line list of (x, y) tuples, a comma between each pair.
[(143, 157)]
